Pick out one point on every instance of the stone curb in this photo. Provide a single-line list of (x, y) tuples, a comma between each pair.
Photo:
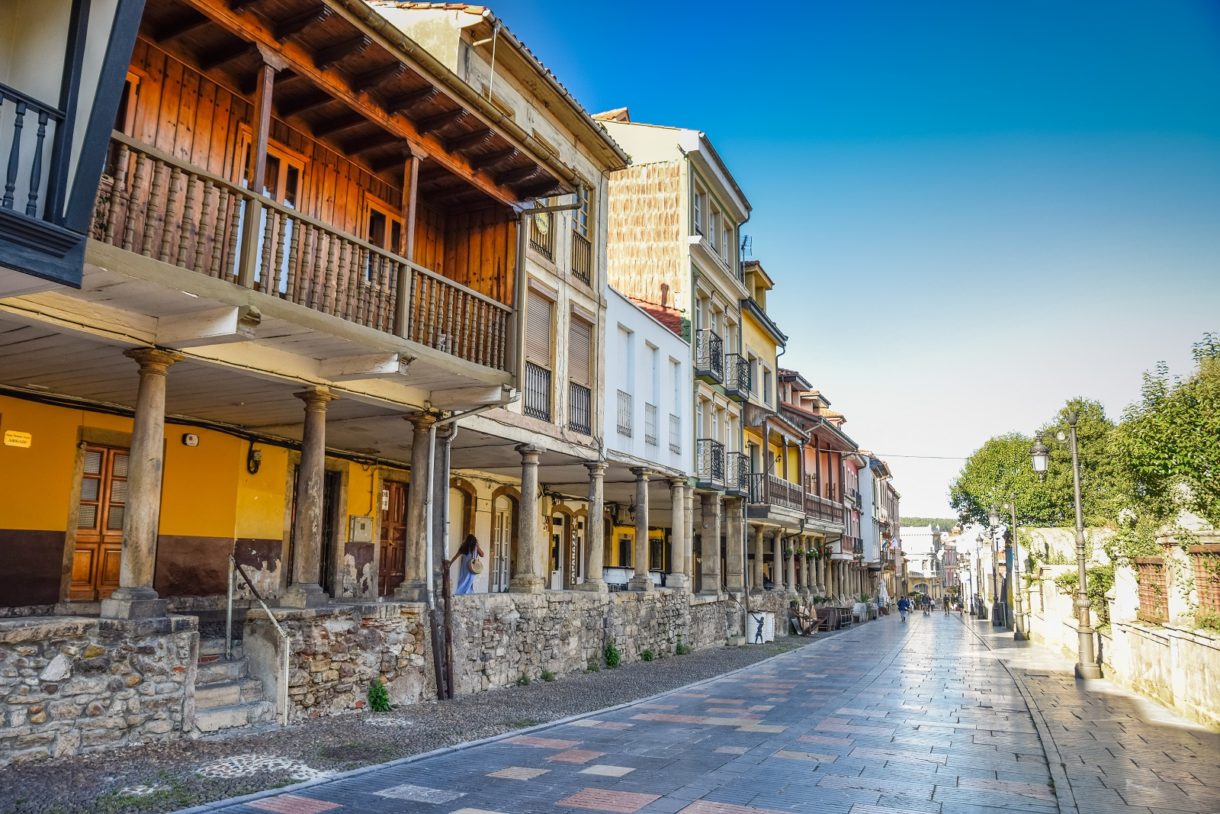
[(1065, 798), (445, 750)]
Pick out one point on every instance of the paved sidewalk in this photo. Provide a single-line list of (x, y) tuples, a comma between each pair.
[(1119, 753), (885, 718)]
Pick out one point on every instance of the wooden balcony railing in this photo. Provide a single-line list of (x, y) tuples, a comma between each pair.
[(16, 112), (582, 257), (821, 508), (153, 205)]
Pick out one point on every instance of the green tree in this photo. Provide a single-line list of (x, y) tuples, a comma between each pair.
[(997, 470), (1169, 441)]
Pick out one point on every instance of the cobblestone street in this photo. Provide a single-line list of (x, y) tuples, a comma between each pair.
[(933, 721)]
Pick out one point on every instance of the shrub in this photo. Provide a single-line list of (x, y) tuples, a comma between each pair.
[(547, 675), (523, 681), (646, 655), (379, 696), (594, 667), (613, 657), (681, 648)]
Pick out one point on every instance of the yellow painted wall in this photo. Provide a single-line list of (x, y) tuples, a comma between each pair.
[(622, 542), (199, 488), (261, 499)]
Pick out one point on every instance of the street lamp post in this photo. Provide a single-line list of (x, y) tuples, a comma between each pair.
[(1018, 628), (1086, 663), (999, 599)]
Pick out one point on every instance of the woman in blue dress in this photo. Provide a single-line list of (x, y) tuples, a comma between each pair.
[(471, 564)]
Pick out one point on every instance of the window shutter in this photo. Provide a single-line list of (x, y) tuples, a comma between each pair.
[(580, 342), (538, 330)]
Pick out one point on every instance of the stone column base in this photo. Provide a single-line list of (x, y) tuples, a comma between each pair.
[(641, 583), (527, 585), (598, 587), (304, 595), (413, 591), (680, 582), (134, 603)]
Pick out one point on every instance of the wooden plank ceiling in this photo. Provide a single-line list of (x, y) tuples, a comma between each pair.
[(364, 70)]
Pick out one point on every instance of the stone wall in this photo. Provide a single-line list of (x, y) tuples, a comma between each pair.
[(72, 684), (500, 637), (338, 651)]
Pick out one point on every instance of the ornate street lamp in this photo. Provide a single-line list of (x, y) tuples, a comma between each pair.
[(1086, 661), (1018, 629), (999, 607)]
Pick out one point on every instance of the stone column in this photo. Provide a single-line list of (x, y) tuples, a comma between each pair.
[(413, 587), (677, 537), (688, 528), (595, 531), (135, 598), (734, 566), (759, 555), (304, 590), (777, 561), (710, 548), (790, 562), (642, 580), (527, 579)]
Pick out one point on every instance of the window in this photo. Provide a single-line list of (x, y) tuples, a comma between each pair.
[(713, 227), (700, 204), (766, 390), (580, 393), (125, 118), (383, 227), (582, 246), (726, 235), (538, 320), (581, 214)]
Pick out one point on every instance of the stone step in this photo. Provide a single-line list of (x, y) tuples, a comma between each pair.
[(232, 716), (216, 647), (216, 671), (225, 693)]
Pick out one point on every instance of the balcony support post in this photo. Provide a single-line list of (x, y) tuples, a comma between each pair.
[(135, 597), (777, 561), (402, 307), (756, 580), (709, 549), (414, 586), (305, 590), (642, 580), (595, 544), (734, 551), (528, 579), (679, 537), (252, 223)]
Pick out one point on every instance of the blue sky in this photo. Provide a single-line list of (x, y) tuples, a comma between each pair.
[(973, 210)]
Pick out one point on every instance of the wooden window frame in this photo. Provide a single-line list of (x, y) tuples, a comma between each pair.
[(392, 215)]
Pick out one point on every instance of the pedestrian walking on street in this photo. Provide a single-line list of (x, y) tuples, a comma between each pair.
[(470, 555), (945, 600), (927, 605), (904, 607)]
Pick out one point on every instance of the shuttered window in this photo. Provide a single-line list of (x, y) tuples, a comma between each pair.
[(580, 348), (538, 329)]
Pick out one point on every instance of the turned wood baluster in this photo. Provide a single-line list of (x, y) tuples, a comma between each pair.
[(31, 201), (138, 195), (232, 208), (300, 234), (155, 218), (326, 293), (171, 231), (212, 221), (309, 276), (14, 156), (118, 193), (262, 271), (188, 248)]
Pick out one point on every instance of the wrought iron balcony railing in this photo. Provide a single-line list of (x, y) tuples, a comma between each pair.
[(537, 403), (675, 434), (580, 408), (736, 473), (650, 424), (737, 376), (624, 413), (709, 356), (709, 462), (582, 257)]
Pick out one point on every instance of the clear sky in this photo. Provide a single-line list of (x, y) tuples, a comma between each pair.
[(973, 210)]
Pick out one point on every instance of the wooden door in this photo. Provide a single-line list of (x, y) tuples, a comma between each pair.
[(392, 568), (99, 523), (501, 544)]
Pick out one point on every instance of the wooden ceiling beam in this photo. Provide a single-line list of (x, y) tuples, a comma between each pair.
[(440, 121), (181, 27), (293, 107), (407, 101), (338, 124), (540, 189), (460, 144), (517, 175), (297, 23), (387, 162), (488, 160), (332, 54), (223, 56), (371, 79), (371, 142), (299, 59)]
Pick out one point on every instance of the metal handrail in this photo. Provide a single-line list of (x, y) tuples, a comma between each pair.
[(285, 639)]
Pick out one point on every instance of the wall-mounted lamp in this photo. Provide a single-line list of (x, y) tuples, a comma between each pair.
[(254, 459)]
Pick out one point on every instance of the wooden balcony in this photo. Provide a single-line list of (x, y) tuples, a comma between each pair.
[(153, 205)]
